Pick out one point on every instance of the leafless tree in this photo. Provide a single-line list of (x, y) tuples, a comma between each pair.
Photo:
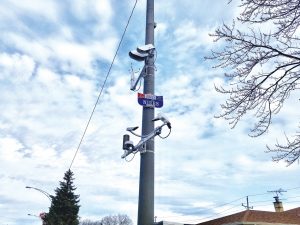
[(116, 220), (89, 222), (120, 219), (261, 57)]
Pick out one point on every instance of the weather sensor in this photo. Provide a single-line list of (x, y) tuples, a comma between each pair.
[(142, 52), (128, 145)]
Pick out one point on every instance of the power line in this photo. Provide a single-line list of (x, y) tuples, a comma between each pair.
[(215, 207), (234, 206), (293, 196), (292, 201), (292, 188), (286, 199), (215, 214), (261, 201), (228, 209), (103, 85), (266, 193)]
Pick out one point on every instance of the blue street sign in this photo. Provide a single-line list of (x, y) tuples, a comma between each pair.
[(150, 100)]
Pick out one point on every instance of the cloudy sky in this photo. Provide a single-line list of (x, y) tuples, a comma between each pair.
[(54, 56)]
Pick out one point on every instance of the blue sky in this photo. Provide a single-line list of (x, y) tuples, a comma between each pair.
[(54, 56)]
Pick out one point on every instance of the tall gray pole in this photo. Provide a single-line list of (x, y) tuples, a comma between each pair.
[(146, 186)]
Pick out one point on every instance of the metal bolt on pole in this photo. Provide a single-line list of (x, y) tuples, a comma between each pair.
[(146, 185)]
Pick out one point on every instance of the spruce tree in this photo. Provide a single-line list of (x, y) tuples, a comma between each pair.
[(64, 206)]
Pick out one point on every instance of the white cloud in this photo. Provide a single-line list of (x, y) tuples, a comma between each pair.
[(192, 36), (9, 149), (33, 48), (84, 10), (49, 85), (16, 67), (31, 7)]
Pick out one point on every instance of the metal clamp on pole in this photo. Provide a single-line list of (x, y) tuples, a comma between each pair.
[(128, 145)]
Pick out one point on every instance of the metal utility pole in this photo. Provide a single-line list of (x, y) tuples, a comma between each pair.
[(149, 101), (146, 185), (247, 206)]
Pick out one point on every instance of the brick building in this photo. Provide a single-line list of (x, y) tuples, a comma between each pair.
[(256, 217)]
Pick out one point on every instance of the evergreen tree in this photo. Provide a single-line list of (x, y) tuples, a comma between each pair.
[(64, 206)]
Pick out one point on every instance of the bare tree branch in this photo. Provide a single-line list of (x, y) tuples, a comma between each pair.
[(284, 14), (262, 69), (290, 152)]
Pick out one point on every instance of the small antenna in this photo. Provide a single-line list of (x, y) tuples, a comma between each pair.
[(133, 81), (278, 204), (279, 191), (247, 206)]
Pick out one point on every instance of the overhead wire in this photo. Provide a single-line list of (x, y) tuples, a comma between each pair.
[(292, 188), (218, 213), (266, 193), (293, 197), (292, 201), (104, 83), (215, 207), (235, 206)]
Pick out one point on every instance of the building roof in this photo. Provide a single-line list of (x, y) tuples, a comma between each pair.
[(163, 222), (287, 217)]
